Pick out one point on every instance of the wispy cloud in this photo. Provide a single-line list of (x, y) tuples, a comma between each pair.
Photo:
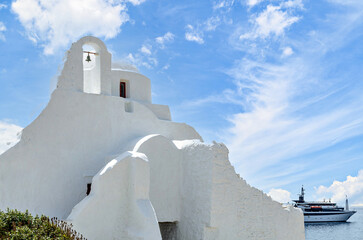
[(273, 21), (2, 25), (223, 4), (146, 49), (338, 190), (2, 30), (135, 2), (287, 51), (147, 54), (55, 24), (9, 135), (193, 35), (348, 2), (293, 109), (196, 33), (293, 4), (292, 106), (252, 3), (166, 38)]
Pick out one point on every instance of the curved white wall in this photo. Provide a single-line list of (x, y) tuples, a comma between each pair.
[(138, 86), (166, 175), (194, 184), (118, 206), (74, 136)]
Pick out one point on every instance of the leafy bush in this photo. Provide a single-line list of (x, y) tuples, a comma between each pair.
[(16, 225)]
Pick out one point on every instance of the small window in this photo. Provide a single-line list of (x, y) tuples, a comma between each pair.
[(169, 230), (123, 89), (88, 188)]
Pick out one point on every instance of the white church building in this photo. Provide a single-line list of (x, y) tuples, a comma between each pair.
[(102, 156)]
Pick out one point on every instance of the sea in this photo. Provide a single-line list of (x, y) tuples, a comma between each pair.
[(350, 230)]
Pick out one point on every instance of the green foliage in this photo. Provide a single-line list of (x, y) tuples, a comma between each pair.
[(15, 225)]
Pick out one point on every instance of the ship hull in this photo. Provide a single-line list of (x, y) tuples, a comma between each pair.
[(313, 217)]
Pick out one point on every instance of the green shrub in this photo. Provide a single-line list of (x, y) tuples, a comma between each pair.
[(16, 225)]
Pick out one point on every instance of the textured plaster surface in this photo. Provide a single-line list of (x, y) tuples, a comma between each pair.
[(194, 184)]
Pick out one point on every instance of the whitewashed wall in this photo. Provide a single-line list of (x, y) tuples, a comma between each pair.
[(194, 184), (118, 206), (70, 141)]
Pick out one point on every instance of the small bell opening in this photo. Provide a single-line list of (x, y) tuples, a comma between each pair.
[(91, 69), (88, 58)]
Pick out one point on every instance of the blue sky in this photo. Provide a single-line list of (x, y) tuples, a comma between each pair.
[(279, 81)]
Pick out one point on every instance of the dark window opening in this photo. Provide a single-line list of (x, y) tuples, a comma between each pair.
[(88, 188), (123, 89), (168, 230)]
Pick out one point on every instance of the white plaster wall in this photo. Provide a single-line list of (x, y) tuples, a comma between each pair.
[(92, 75), (138, 86), (118, 206), (72, 76), (74, 136), (166, 175), (237, 210), (194, 184), (161, 111)]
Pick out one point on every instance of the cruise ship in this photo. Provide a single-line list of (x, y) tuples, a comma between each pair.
[(325, 211)]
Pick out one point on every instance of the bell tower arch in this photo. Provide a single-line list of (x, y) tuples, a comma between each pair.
[(92, 76)]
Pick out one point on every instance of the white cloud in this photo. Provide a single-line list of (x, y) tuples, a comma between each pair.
[(292, 109), (136, 2), (193, 35), (2, 5), (196, 34), (166, 38), (223, 4), (166, 67), (147, 54), (280, 195), (212, 23), (292, 4), (273, 21), (352, 187), (272, 129), (54, 24), (287, 51), (9, 135), (252, 3), (2, 29), (146, 49), (141, 60), (357, 3)]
